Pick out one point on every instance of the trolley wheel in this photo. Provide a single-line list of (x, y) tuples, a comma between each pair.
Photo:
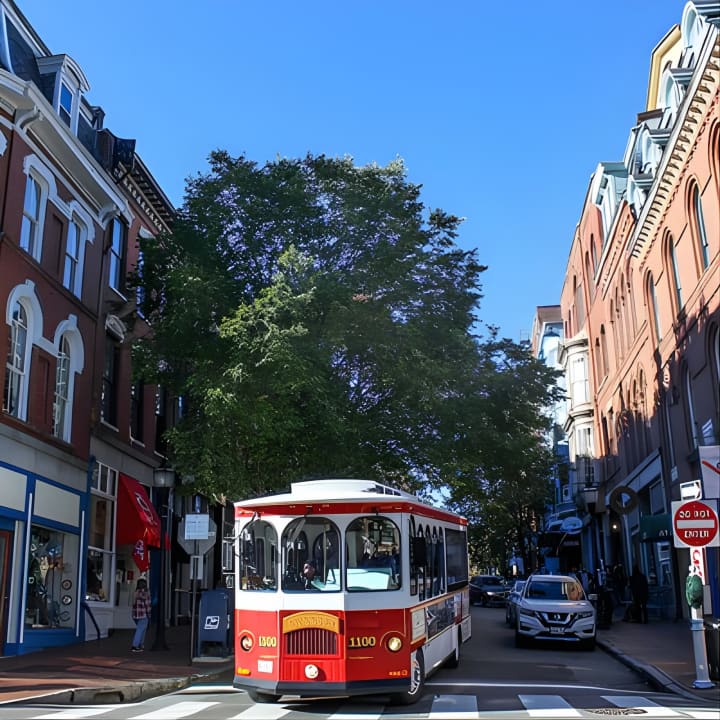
[(258, 696), (453, 660), (417, 682)]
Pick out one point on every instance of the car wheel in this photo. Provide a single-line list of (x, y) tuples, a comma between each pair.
[(520, 640), (262, 697), (484, 601), (417, 682)]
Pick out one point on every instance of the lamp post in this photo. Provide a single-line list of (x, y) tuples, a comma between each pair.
[(163, 481)]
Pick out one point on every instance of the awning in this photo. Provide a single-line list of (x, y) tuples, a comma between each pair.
[(137, 519), (656, 528)]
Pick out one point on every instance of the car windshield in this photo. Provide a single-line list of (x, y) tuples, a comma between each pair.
[(555, 590), (488, 580)]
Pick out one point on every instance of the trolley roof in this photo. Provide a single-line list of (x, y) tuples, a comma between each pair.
[(343, 495)]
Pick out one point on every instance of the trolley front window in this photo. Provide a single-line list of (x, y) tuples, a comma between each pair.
[(373, 554), (258, 556), (311, 555)]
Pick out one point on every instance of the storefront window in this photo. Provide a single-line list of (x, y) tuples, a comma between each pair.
[(100, 540), (51, 579)]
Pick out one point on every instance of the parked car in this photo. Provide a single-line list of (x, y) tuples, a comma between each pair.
[(488, 590), (554, 607), (512, 600)]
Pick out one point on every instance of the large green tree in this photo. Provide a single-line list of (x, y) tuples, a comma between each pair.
[(505, 459), (317, 319)]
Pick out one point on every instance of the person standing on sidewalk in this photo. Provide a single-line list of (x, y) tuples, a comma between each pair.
[(140, 614), (639, 591)]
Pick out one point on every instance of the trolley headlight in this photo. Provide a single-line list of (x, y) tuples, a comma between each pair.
[(394, 643), (246, 643), (311, 671)]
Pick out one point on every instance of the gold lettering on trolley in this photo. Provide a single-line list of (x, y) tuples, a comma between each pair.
[(301, 620)]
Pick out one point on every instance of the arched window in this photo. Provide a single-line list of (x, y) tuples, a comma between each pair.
[(17, 368), (652, 307), (698, 222), (61, 406), (673, 273), (604, 351), (593, 253), (589, 273), (598, 362), (690, 407)]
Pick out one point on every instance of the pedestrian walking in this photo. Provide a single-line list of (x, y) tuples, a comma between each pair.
[(639, 592), (140, 614)]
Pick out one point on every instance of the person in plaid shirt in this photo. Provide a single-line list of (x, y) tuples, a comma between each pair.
[(140, 614)]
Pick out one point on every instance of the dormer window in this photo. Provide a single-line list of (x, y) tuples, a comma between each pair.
[(68, 87), (66, 104)]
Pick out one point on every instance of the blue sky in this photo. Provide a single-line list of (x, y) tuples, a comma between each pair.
[(501, 111)]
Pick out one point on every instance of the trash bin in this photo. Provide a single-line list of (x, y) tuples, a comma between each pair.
[(712, 647), (215, 621)]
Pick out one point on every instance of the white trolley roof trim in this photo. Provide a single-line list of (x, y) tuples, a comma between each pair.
[(345, 495)]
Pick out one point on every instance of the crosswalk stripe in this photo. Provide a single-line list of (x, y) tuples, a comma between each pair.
[(353, 711), (548, 706), (77, 714), (455, 707), (175, 711), (262, 712), (645, 706)]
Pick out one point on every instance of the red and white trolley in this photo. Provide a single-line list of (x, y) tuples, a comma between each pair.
[(347, 587)]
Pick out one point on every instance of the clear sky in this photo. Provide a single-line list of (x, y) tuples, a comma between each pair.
[(500, 110)]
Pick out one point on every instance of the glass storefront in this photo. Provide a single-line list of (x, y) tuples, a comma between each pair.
[(51, 579)]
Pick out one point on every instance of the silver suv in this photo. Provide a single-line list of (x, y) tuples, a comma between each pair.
[(554, 607)]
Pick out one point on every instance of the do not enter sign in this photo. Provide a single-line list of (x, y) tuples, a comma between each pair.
[(695, 523)]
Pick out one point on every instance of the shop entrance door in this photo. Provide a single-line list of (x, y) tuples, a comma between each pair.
[(5, 543)]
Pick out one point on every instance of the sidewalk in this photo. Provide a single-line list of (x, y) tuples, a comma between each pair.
[(662, 651), (105, 671)]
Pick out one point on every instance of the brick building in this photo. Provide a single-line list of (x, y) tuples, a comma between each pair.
[(641, 311), (78, 441)]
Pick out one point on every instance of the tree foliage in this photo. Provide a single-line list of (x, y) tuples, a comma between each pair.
[(317, 319)]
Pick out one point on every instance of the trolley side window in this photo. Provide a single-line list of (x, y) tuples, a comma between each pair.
[(457, 559), (373, 554), (311, 555), (258, 556)]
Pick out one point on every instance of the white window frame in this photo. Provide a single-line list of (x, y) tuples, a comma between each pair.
[(32, 217), (17, 366), (67, 332), (61, 401), (117, 253), (104, 486)]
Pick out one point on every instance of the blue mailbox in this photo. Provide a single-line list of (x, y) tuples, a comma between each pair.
[(215, 623)]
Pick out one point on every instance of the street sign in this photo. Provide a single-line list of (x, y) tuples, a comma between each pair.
[(710, 469), (691, 490), (697, 561), (196, 547), (695, 523), (623, 500), (197, 526)]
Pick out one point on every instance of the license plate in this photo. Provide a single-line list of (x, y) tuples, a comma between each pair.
[(265, 666), (557, 630)]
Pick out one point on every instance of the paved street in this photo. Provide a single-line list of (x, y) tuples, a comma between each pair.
[(494, 678)]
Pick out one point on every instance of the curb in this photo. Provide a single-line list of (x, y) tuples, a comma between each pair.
[(655, 677), (131, 691)]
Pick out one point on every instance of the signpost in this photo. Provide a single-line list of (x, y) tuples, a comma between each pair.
[(695, 523)]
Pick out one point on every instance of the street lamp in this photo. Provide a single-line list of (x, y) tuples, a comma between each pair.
[(163, 481)]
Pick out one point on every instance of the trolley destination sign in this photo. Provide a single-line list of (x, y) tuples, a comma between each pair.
[(695, 523)]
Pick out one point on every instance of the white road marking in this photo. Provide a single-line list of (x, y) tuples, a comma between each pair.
[(455, 707), (355, 711), (548, 706), (262, 712), (646, 707), (175, 711), (78, 713)]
